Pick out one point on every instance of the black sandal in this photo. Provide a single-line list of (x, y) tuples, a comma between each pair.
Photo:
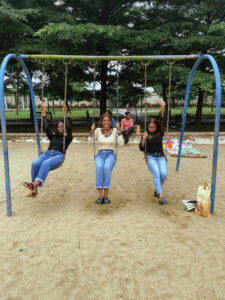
[(106, 200), (99, 201), (156, 195), (162, 201)]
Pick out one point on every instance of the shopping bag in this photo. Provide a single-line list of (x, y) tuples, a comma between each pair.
[(204, 200)]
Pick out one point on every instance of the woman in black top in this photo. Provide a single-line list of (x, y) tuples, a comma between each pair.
[(152, 144), (54, 156)]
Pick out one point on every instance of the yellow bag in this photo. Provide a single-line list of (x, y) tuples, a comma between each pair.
[(204, 200), (137, 129)]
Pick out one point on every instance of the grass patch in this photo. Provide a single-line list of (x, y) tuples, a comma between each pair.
[(79, 113)]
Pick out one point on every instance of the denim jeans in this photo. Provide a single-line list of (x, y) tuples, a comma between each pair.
[(46, 162), (104, 163), (158, 167)]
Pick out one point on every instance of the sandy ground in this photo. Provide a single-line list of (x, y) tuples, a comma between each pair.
[(61, 245)]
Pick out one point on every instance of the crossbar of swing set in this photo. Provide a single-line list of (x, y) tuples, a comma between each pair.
[(99, 58)]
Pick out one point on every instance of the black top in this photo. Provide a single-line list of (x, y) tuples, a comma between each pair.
[(154, 142), (56, 140), (153, 145)]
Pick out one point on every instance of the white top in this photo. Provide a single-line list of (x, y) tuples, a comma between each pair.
[(106, 142)]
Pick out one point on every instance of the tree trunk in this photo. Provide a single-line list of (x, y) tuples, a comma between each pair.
[(198, 117), (53, 105), (165, 97), (23, 102), (17, 94), (17, 102), (48, 105), (31, 109), (212, 103), (103, 78), (174, 103), (6, 103)]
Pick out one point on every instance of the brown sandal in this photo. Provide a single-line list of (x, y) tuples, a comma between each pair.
[(32, 195)]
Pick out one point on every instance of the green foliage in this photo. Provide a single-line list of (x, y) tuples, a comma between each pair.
[(109, 27)]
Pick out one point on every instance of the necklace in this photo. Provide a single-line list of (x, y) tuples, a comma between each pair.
[(108, 134)]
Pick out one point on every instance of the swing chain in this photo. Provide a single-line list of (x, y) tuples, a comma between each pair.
[(65, 86), (145, 96), (145, 89), (170, 63), (94, 64), (42, 100), (117, 102), (117, 91), (65, 103), (42, 80)]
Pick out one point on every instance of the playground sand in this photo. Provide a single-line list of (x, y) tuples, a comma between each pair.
[(63, 246)]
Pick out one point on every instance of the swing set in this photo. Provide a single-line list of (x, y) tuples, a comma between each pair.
[(145, 59)]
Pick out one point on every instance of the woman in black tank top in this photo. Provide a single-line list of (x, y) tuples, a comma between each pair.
[(152, 144)]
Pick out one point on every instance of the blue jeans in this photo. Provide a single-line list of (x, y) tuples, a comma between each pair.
[(46, 162), (104, 163), (158, 167)]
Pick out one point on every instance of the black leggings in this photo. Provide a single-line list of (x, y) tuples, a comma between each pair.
[(126, 134)]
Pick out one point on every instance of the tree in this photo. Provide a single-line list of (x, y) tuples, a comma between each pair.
[(99, 28), (120, 28), (184, 27)]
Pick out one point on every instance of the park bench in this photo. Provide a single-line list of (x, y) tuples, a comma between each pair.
[(178, 121)]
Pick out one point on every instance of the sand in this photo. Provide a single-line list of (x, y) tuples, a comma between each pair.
[(61, 245)]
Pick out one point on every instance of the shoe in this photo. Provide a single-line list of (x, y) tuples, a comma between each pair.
[(99, 201), (106, 200), (32, 195), (28, 185), (162, 201), (156, 195)]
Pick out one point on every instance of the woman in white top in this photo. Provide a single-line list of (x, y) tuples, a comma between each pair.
[(107, 139)]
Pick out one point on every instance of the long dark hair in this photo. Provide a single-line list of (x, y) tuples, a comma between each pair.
[(102, 118), (159, 129)]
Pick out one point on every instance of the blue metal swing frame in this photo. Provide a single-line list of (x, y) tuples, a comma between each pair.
[(217, 120), (20, 58)]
